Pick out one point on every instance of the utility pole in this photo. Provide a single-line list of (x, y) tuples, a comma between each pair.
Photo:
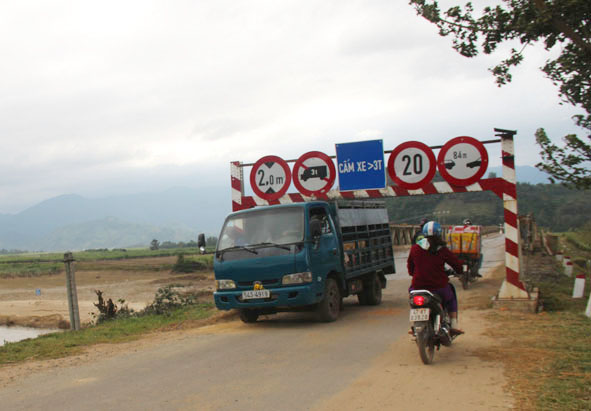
[(72, 293)]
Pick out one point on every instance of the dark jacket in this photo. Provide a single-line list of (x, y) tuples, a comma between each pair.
[(427, 267)]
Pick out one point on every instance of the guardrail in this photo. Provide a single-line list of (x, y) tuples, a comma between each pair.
[(402, 234)]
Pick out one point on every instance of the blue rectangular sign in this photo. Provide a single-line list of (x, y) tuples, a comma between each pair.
[(360, 165)]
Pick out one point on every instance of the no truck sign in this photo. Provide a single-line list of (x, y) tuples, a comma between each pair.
[(314, 173)]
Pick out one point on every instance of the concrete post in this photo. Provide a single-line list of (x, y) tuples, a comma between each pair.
[(71, 291), (579, 287)]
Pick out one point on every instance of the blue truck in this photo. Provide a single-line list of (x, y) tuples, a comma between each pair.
[(302, 257)]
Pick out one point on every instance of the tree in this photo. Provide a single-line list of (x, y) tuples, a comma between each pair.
[(154, 244), (562, 23)]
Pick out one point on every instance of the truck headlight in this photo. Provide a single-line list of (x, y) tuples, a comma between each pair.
[(225, 284), (297, 278)]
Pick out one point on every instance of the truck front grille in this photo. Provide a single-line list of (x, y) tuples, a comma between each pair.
[(265, 283)]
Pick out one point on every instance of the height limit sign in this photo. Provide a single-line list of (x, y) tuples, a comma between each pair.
[(270, 178), (361, 165)]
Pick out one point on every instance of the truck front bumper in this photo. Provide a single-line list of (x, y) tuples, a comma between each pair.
[(288, 297)]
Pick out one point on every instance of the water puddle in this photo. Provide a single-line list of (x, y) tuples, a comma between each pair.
[(16, 333)]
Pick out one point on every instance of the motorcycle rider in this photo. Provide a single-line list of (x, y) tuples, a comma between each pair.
[(425, 264), (468, 222)]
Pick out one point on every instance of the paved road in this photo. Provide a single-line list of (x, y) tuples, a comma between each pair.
[(287, 361)]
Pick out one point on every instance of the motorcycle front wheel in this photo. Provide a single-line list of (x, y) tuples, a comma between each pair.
[(426, 344)]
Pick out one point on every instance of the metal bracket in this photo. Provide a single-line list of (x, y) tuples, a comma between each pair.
[(505, 133)]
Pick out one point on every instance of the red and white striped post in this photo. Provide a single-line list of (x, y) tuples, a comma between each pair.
[(237, 183), (512, 286)]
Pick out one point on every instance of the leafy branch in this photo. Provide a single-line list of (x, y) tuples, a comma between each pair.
[(564, 23)]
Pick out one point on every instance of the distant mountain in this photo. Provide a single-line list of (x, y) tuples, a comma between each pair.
[(111, 233), (72, 222), (525, 174)]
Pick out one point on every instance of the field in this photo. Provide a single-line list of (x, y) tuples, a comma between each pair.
[(33, 286)]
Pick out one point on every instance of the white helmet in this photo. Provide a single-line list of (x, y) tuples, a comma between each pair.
[(432, 228)]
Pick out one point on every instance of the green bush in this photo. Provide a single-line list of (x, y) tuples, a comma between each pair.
[(167, 300), (191, 264)]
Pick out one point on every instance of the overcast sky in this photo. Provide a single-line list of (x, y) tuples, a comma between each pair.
[(113, 97)]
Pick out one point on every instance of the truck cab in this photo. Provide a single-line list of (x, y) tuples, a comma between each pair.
[(300, 257)]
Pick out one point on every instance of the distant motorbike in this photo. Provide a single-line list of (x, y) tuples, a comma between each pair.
[(430, 323), (470, 272)]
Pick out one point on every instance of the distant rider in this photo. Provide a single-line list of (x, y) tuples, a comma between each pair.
[(468, 222), (425, 264)]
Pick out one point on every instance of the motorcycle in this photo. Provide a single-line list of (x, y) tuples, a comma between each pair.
[(430, 323), (470, 272)]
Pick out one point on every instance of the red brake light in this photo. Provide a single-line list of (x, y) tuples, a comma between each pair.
[(418, 300)]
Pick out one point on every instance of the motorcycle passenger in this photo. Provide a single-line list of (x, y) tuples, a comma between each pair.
[(425, 264), (419, 234)]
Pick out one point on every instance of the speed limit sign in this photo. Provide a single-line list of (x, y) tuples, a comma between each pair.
[(411, 165), (270, 178)]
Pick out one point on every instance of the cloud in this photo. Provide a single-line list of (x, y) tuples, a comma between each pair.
[(110, 96)]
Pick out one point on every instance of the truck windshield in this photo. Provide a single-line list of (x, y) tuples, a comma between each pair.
[(268, 227)]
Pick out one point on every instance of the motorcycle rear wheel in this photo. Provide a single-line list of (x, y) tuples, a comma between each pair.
[(426, 344), (466, 280)]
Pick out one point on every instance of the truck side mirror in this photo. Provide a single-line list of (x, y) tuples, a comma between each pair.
[(315, 228), (201, 242)]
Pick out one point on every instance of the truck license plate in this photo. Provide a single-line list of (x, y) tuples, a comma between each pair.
[(250, 294), (419, 314)]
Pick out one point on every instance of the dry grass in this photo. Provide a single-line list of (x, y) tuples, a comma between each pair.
[(478, 296), (547, 356), (525, 363)]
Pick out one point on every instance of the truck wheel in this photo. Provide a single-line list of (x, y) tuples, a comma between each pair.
[(328, 309), (249, 316), (372, 291), (362, 297)]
